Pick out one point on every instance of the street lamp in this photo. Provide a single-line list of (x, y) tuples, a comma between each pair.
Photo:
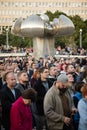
[(80, 38), (7, 45)]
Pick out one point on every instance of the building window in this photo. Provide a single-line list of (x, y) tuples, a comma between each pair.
[(3, 12), (16, 4), (6, 12), (2, 3), (29, 3), (66, 4), (13, 4), (13, 12), (62, 4), (23, 4)]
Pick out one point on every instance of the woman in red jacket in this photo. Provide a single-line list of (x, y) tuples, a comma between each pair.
[(21, 116)]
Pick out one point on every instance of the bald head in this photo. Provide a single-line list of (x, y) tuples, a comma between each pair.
[(10, 79)]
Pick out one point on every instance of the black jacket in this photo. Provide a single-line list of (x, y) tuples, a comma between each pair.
[(41, 91), (7, 99)]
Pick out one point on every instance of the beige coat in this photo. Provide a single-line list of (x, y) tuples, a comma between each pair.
[(53, 109)]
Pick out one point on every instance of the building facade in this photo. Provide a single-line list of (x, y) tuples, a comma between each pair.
[(13, 9)]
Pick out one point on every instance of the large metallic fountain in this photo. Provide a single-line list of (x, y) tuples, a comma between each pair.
[(43, 31)]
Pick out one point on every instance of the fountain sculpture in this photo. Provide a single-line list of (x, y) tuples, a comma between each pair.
[(43, 31)]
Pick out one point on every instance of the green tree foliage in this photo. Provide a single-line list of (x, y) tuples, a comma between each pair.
[(2, 39), (19, 41), (15, 41), (79, 24), (54, 15)]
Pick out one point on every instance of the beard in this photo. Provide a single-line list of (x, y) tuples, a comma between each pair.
[(62, 90)]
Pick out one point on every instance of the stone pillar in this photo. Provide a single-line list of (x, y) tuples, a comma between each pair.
[(43, 46)]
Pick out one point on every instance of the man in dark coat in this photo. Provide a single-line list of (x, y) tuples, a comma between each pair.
[(41, 87), (9, 94)]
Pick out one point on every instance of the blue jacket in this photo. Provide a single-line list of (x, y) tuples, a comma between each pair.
[(82, 108), (78, 96)]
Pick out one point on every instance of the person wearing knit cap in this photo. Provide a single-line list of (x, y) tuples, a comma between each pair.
[(20, 114), (62, 78), (57, 107)]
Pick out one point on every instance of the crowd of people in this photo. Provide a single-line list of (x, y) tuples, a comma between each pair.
[(45, 93), (67, 50)]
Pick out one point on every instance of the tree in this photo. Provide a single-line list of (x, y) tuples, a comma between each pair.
[(79, 24), (2, 39), (20, 41)]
